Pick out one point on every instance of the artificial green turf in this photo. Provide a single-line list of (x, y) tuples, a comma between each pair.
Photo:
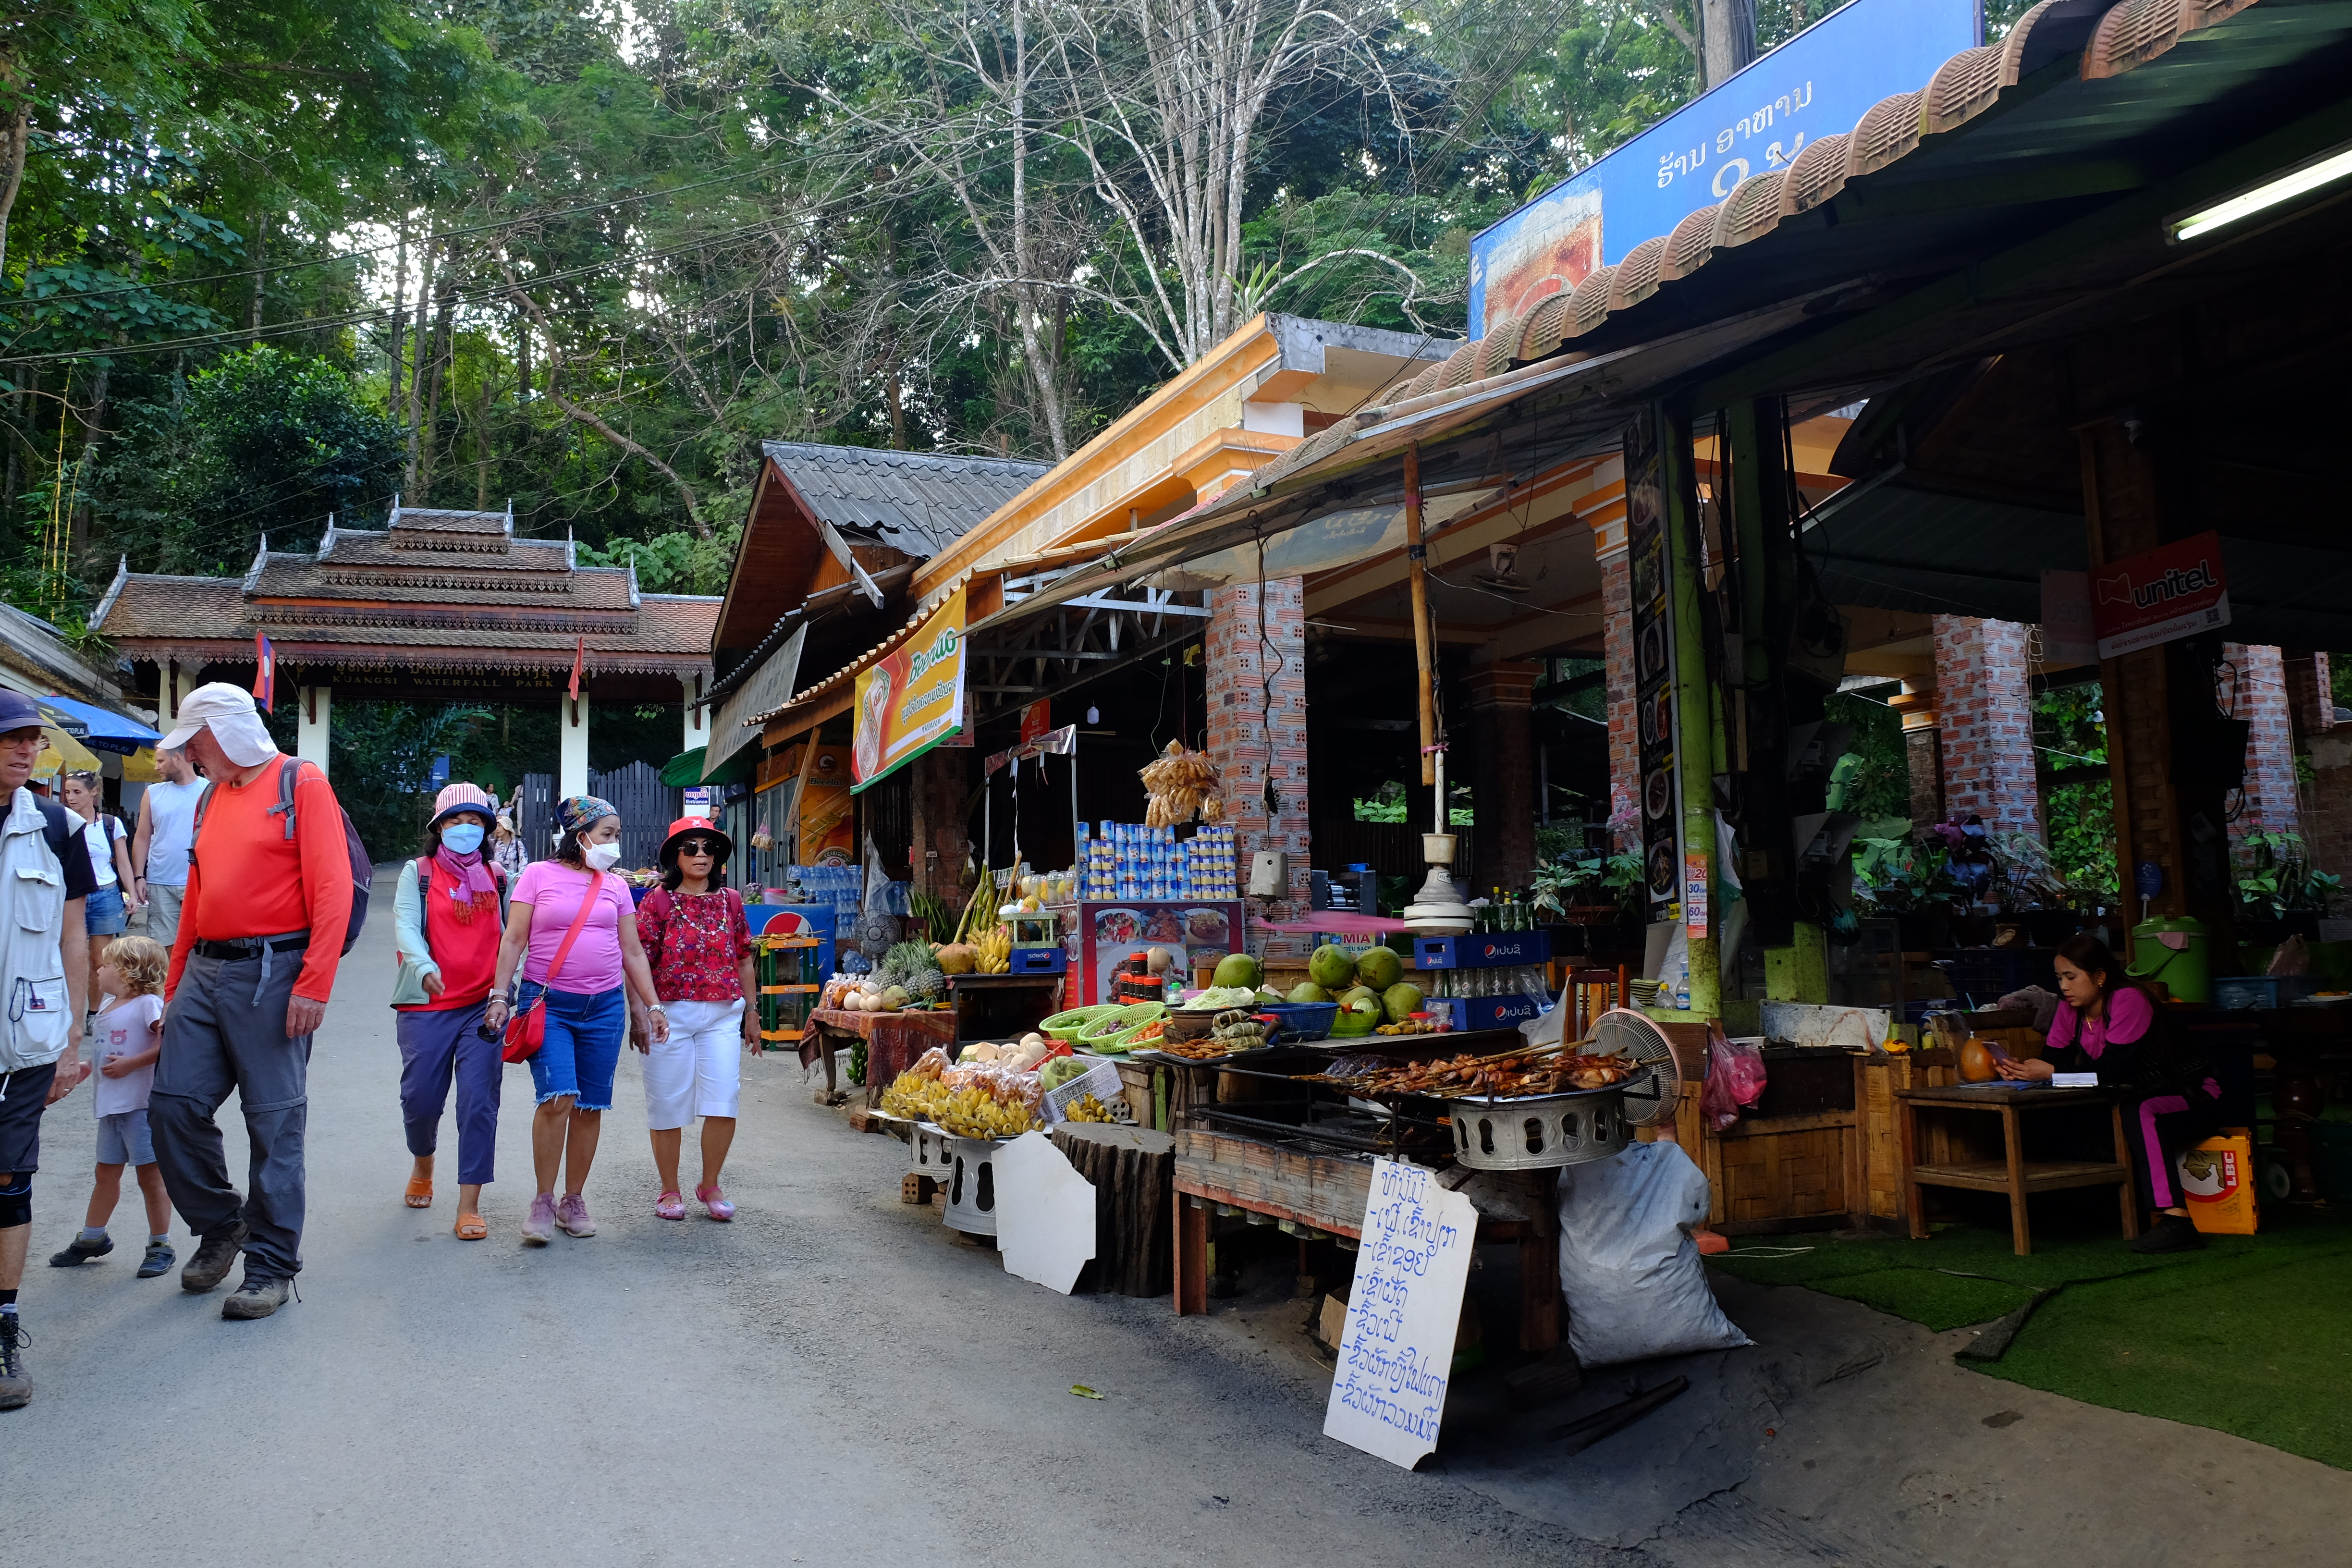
[(2253, 1335), (1940, 1301), (2263, 1352)]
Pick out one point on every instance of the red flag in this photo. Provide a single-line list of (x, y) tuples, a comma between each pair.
[(265, 678), (579, 657)]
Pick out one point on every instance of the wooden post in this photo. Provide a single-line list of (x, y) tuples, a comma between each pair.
[(1416, 556)]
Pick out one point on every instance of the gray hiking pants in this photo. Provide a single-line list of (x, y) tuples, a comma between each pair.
[(226, 1028)]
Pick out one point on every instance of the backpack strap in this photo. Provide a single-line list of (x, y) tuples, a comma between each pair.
[(289, 770)]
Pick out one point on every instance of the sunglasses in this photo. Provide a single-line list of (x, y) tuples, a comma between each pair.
[(697, 846)]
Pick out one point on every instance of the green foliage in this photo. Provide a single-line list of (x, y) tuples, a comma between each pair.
[(2069, 729), (2280, 880), (1877, 781), (1593, 879), (265, 442), (673, 562), (1908, 875)]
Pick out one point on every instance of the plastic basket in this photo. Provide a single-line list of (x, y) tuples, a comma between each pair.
[(1109, 1032), (1065, 1027), (1347, 1026)]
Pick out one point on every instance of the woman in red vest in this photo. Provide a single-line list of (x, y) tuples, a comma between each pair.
[(446, 923)]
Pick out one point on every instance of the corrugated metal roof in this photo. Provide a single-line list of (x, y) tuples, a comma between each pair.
[(919, 502)]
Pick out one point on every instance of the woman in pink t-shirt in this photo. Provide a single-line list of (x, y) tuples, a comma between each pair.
[(587, 1014)]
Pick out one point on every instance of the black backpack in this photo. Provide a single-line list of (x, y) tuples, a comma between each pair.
[(362, 869)]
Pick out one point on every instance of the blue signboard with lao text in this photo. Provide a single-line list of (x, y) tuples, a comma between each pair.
[(1817, 84)]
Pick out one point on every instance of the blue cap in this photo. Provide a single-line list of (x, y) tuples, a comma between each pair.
[(18, 711)]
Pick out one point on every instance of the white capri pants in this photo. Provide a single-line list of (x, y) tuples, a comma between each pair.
[(699, 1070)]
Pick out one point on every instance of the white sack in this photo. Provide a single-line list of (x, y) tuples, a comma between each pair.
[(1632, 1274)]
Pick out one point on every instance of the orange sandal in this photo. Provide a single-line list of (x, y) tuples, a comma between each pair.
[(470, 1227), (420, 1193)]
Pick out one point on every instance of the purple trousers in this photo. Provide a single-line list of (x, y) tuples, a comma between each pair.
[(439, 1045)]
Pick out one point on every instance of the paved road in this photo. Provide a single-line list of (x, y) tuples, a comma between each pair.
[(827, 1380), (830, 1379)]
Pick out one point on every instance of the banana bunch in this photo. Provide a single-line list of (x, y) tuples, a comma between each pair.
[(995, 949), (973, 1112), (1087, 1107)]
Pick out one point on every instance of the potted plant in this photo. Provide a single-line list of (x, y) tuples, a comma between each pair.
[(2280, 895), (1909, 878)]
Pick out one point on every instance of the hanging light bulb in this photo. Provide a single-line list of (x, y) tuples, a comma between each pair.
[(1094, 715)]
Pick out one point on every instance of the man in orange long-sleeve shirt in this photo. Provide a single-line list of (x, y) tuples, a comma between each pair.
[(261, 930)]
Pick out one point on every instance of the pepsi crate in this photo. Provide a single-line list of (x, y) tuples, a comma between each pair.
[(1485, 1012), (1039, 961), (1482, 949)]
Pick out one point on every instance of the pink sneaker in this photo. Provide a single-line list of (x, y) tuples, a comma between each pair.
[(718, 1208), (572, 1213), (670, 1205), (539, 1228)]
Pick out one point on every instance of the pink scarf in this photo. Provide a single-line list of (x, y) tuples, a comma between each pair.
[(474, 889)]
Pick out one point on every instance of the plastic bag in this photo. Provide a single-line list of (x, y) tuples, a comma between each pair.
[(2043, 1002), (1735, 1078), (1631, 1272)]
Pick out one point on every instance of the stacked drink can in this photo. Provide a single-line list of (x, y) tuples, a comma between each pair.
[(1130, 861)]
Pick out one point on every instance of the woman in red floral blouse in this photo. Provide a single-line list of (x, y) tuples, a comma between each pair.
[(699, 946)]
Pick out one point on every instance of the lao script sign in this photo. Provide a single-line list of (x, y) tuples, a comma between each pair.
[(1818, 84), (1396, 1354)]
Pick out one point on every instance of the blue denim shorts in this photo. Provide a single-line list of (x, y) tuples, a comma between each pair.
[(103, 914), (581, 1045), (123, 1139)]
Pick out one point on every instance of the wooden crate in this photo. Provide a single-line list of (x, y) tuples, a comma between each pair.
[(1877, 1173)]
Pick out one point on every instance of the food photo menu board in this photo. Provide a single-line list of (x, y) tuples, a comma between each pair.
[(1194, 931)]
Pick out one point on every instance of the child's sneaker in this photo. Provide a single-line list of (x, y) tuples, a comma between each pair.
[(159, 1260), (80, 1251)]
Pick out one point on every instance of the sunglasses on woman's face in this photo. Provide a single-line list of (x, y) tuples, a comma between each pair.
[(697, 848)]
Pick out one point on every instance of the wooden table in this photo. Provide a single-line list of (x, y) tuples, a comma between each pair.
[(893, 1041), (1312, 1195), (1002, 1007), (1957, 1158)]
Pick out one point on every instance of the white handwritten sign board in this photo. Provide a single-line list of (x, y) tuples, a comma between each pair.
[(1396, 1354)]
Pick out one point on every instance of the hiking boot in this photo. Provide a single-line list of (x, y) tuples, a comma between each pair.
[(159, 1260), (2170, 1232), (16, 1388), (258, 1298), (79, 1252), (215, 1255), (539, 1229), (572, 1213)]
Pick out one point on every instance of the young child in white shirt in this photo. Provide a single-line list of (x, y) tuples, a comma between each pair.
[(127, 1036)]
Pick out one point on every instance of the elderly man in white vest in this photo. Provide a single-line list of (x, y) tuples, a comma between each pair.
[(45, 874)]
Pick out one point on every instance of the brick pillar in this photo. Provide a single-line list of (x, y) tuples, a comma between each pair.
[(1923, 748), (1247, 742), (1984, 712), (1503, 773), (2327, 746), (2262, 699), (1624, 733)]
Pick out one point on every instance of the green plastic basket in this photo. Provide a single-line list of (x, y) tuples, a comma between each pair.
[(1065, 1027), (1349, 1026), (1111, 1034)]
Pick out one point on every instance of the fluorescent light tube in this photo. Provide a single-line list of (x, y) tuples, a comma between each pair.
[(2269, 194)]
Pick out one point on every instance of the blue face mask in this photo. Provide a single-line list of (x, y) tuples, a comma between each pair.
[(462, 837)]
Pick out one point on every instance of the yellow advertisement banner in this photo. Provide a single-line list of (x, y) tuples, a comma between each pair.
[(911, 699)]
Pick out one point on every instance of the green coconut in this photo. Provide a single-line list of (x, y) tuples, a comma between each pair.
[(1360, 999), (1330, 967), (1380, 967), (1401, 1001), (1307, 991), (1238, 969)]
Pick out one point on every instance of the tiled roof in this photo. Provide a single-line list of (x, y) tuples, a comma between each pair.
[(483, 531), (535, 573), (208, 618), (919, 502)]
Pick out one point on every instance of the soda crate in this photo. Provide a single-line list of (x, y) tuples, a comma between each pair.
[(1039, 961), (1482, 949), (1485, 1012)]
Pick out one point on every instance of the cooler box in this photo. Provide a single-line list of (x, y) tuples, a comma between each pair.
[(1482, 949), (1485, 1012)]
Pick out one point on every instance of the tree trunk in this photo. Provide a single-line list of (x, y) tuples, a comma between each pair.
[(417, 372), (255, 250), (392, 376), (444, 306), (1726, 38), (19, 136), (482, 446)]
